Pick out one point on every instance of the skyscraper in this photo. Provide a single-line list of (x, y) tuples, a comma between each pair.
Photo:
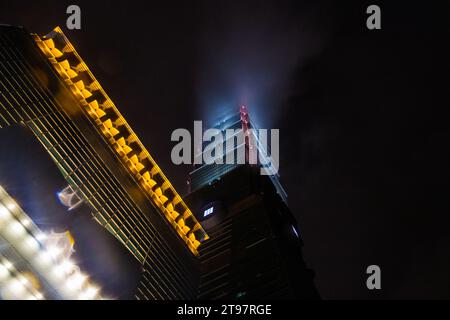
[(47, 88), (241, 140), (254, 251)]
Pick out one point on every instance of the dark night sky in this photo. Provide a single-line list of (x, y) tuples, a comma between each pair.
[(363, 115)]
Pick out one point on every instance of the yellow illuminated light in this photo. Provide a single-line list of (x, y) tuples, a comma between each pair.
[(51, 47), (122, 148), (108, 130), (66, 66), (127, 145), (80, 85), (169, 207)]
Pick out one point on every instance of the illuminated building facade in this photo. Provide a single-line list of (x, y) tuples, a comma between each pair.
[(35, 265), (47, 88), (255, 248)]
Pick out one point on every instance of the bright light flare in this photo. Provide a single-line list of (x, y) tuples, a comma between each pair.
[(43, 259), (76, 281), (54, 251), (89, 293), (16, 229), (63, 269), (41, 237), (15, 288), (30, 245), (4, 273), (67, 266), (4, 213)]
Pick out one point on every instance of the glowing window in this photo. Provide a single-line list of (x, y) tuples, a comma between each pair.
[(208, 212), (295, 231)]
